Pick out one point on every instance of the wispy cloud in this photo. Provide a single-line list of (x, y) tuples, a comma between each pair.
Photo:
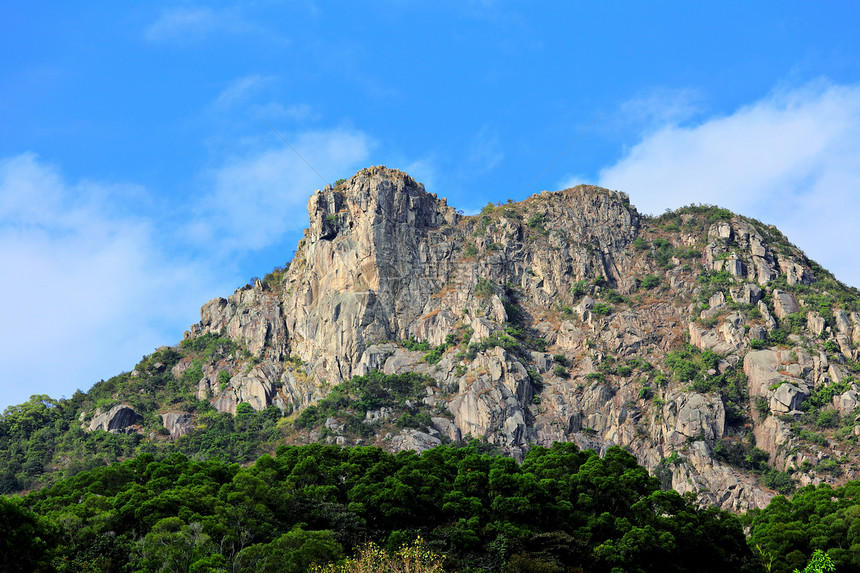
[(569, 181), (259, 197), (96, 284), (194, 23), (93, 288), (790, 159), (299, 112), (240, 90), (658, 107)]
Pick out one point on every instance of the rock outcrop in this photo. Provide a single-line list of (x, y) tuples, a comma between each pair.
[(177, 423), (117, 420), (571, 302)]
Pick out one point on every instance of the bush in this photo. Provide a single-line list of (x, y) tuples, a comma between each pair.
[(649, 282), (414, 345), (578, 289), (484, 288), (601, 309), (779, 481), (612, 296)]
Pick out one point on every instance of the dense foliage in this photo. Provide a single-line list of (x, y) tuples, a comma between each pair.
[(560, 510), (788, 532), (44, 439)]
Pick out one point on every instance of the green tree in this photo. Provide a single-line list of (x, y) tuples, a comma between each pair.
[(25, 539), (819, 563)]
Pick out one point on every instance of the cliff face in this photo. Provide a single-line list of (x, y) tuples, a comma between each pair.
[(573, 315)]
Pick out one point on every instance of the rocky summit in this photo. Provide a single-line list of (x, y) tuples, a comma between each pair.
[(701, 341)]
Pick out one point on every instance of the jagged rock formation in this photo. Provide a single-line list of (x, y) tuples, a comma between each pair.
[(568, 307)]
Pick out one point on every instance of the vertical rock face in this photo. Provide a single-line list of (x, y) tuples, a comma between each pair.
[(177, 423), (595, 308), (366, 268)]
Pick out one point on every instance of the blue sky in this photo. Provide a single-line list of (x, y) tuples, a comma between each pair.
[(137, 182)]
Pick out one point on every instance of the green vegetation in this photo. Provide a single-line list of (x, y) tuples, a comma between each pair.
[(663, 251), (410, 558), (350, 402), (788, 533), (560, 508), (43, 440), (484, 288), (601, 309), (742, 453), (649, 281), (578, 289), (701, 371), (536, 223)]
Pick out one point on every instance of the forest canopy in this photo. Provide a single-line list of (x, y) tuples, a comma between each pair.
[(562, 509)]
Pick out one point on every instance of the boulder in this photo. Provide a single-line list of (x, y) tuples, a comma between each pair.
[(787, 397), (414, 440), (691, 415), (815, 323), (784, 303), (846, 403), (177, 423), (748, 293), (447, 428), (118, 419)]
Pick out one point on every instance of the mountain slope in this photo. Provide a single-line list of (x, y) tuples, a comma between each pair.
[(702, 341)]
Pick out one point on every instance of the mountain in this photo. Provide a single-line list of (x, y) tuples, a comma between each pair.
[(701, 341)]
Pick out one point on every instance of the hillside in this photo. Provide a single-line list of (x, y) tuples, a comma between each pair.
[(701, 341)]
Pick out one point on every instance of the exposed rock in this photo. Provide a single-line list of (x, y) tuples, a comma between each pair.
[(117, 420), (177, 423), (374, 358), (762, 368), (491, 396), (447, 428), (758, 333), (694, 416), (746, 294), (846, 403), (815, 323), (708, 339), (784, 303), (787, 397), (414, 440), (383, 260), (769, 321)]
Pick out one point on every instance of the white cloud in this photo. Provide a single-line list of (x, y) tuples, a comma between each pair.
[(569, 181), (88, 290), (259, 197), (791, 159), (192, 24), (658, 107), (239, 90), (300, 112), (92, 285)]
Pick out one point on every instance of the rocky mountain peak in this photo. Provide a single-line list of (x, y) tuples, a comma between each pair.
[(693, 339), (383, 200)]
